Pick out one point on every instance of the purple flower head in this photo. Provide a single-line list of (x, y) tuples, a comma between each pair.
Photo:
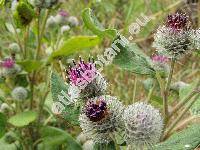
[(8, 63), (96, 110), (177, 22), (160, 59), (82, 71), (63, 13)]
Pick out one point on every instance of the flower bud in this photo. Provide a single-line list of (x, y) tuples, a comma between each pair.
[(19, 93), (14, 48)]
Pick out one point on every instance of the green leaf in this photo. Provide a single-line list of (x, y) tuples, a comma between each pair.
[(109, 146), (2, 124), (58, 87), (92, 23), (30, 65), (187, 139), (75, 44), (2, 2), (23, 119), (53, 137), (132, 59)]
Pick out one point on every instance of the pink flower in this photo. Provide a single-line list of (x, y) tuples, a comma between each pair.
[(8, 63), (82, 71), (63, 13), (160, 59)]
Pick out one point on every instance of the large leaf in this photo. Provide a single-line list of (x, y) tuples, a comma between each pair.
[(59, 91), (187, 139), (75, 44), (92, 23), (53, 137), (132, 59), (23, 119), (30, 65), (4, 142), (2, 124)]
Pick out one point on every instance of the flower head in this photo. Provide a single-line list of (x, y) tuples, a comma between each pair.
[(143, 125), (174, 38), (96, 110), (85, 76), (82, 71), (73, 21), (101, 117), (177, 22), (8, 63), (63, 13)]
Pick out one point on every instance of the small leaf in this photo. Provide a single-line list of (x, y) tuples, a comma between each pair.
[(30, 65), (2, 124), (75, 44), (187, 139), (23, 119), (53, 137), (95, 26)]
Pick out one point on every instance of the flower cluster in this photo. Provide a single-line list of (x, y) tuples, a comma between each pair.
[(64, 19), (176, 37)]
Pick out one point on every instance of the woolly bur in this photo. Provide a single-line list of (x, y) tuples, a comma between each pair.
[(101, 117), (143, 125)]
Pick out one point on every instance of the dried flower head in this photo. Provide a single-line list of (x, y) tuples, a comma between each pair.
[(85, 76), (143, 125), (101, 117), (173, 39)]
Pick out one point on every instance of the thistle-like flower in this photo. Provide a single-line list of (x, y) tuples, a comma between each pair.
[(9, 67), (102, 116), (19, 93), (64, 29), (84, 75), (174, 38), (160, 65), (143, 125), (61, 17)]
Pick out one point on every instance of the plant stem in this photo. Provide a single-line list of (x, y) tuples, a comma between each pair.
[(173, 125), (38, 35), (135, 89), (26, 36), (166, 92)]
